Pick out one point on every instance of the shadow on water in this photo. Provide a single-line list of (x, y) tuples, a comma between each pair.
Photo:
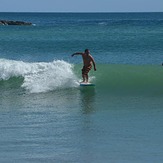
[(87, 99)]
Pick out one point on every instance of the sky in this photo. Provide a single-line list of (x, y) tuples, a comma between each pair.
[(81, 5)]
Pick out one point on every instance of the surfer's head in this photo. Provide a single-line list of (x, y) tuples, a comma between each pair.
[(87, 51)]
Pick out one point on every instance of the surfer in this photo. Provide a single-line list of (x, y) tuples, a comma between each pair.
[(87, 63)]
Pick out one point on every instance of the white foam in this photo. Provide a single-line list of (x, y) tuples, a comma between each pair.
[(40, 76), (103, 23)]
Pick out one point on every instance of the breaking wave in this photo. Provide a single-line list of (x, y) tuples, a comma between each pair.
[(39, 76)]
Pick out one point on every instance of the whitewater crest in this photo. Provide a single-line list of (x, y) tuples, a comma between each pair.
[(40, 76)]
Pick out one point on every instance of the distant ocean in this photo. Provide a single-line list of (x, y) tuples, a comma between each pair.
[(45, 116)]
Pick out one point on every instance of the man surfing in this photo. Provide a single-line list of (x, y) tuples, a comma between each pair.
[(87, 63)]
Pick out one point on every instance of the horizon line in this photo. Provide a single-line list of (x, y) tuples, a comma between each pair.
[(82, 12)]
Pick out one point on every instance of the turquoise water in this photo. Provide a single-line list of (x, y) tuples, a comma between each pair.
[(45, 116)]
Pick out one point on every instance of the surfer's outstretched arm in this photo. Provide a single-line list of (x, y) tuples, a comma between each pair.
[(78, 53)]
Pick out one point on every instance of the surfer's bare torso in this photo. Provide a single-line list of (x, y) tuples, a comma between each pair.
[(87, 59)]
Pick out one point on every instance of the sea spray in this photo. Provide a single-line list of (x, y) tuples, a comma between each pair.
[(40, 76), (11, 68)]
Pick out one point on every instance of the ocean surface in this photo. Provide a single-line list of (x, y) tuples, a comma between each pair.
[(45, 116)]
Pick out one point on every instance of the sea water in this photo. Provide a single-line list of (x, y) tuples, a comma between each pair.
[(45, 116)]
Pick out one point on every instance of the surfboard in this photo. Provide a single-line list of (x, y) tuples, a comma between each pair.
[(86, 84)]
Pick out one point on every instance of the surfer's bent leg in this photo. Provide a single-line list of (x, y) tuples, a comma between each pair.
[(85, 72)]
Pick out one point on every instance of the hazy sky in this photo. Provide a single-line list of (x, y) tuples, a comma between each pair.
[(81, 5)]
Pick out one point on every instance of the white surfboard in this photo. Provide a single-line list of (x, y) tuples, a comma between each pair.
[(86, 84)]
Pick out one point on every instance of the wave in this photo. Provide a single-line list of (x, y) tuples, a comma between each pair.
[(38, 76), (109, 78), (130, 78)]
